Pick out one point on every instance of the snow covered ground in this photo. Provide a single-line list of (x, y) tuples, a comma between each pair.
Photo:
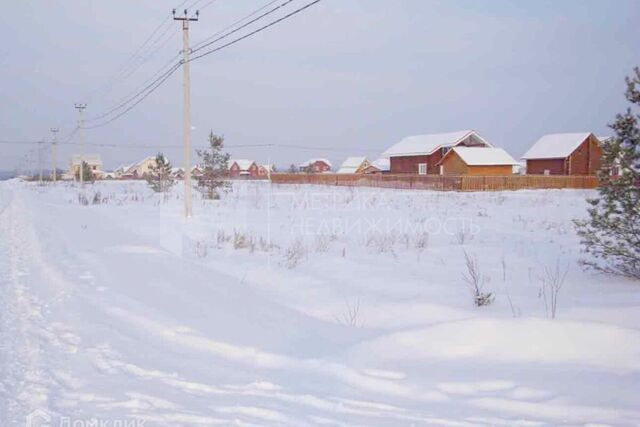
[(307, 306)]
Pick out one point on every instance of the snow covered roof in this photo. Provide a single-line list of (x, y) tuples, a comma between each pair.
[(243, 164), (312, 161), (382, 164), (426, 144), (351, 164), (556, 146), (481, 156)]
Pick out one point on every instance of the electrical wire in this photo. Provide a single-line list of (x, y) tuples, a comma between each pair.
[(149, 89), (271, 24), (157, 82), (206, 42)]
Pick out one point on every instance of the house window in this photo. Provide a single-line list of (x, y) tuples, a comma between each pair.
[(547, 172), (422, 168)]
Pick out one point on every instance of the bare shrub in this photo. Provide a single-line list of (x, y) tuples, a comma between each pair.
[(422, 240), (350, 316), (294, 254), (475, 281), (322, 242), (201, 249), (463, 236), (551, 282), (240, 241), (97, 198), (221, 238)]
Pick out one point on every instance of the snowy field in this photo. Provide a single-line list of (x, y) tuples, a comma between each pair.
[(308, 306)]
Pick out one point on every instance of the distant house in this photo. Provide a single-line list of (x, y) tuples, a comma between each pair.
[(265, 170), (354, 165), (615, 169), (140, 169), (315, 166), (420, 154), (92, 160), (377, 167), (197, 171), (486, 161), (177, 173), (564, 154), (243, 168)]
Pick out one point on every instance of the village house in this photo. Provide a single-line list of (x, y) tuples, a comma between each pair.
[(421, 154), (177, 173), (353, 165), (139, 170), (484, 161), (564, 154), (315, 166), (242, 168), (92, 160), (265, 170), (615, 169), (377, 167)]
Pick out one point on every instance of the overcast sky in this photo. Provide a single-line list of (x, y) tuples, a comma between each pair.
[(352, 76)]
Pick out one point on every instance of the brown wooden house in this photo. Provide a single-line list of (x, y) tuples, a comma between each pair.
[(421, 154), (315, 166), (243, 168), (564, 154), (483, 161)]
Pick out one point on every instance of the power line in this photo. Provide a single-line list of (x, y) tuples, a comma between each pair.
[(151, 87), (271, 24), (157, 82), (124, 67), (206, 42)]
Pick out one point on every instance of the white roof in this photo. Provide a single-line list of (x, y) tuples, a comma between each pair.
[(351, 164), (382, 164), (426, 144), (480, 156), (556, 146), (243, 164), (312, 161)]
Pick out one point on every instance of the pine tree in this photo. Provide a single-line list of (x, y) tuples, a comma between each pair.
[(87, 173), (215, 167), (611, 234), (159, 176), (293, 168)]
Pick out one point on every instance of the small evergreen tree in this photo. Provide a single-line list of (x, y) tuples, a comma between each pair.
[(87, 173), (215, 167), (293, 168), (611, 234), (159, 176)]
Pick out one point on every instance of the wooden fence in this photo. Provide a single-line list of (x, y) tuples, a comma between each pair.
[(441, 183)]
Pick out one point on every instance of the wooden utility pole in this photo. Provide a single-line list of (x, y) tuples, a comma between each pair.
[(54, 163), (80, 108), (40, 143), (185, 19)]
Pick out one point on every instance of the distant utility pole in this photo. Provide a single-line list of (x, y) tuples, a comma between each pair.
[(80, 108), (187, 107), (40, 143), (54, 143)]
